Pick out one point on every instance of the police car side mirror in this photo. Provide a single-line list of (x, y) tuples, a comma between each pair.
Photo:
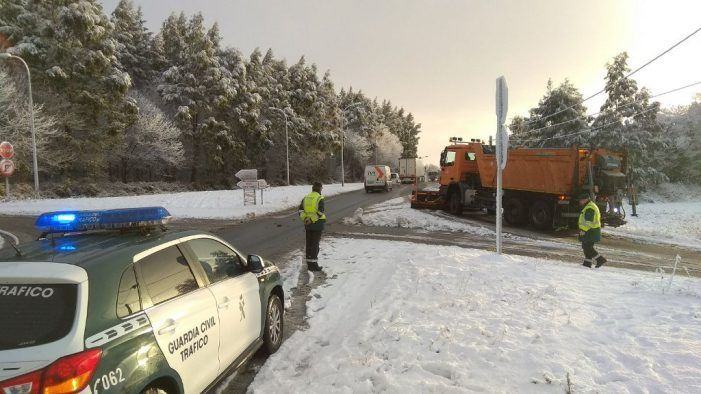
[(255, 263)]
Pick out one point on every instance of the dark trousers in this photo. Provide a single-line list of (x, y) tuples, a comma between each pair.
[(312, 249), (591, 256)]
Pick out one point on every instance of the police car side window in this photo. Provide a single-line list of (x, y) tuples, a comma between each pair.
[(218, 261), (128, 301), (166, 275)]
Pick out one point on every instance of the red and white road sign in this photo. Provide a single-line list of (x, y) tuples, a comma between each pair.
[(6, 150), (7, 167)]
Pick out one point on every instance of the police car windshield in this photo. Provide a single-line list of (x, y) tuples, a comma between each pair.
[(35, 314)]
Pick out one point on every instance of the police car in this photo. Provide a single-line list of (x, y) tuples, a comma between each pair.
[(111, 301)]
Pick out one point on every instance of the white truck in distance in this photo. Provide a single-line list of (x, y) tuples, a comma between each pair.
[(411, 170), (377, 177)]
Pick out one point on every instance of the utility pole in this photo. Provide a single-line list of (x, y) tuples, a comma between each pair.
[(6, 55), (502, 105)]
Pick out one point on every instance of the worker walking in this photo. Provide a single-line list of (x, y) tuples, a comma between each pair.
[(311, 211), (590, 231)]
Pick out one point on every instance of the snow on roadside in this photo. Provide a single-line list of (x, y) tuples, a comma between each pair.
[(397, 212), (448, 319), (676, 223), (220, 204)]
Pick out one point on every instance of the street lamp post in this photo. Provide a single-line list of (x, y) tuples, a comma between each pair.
[(6, 55), (287, 143), (343, 138)]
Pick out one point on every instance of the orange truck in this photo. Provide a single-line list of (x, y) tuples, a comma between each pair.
[(540, 185)]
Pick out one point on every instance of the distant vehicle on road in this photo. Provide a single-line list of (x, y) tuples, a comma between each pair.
[(112, 301), (394, 177), (377, 177), (433, 175), (411, 170)]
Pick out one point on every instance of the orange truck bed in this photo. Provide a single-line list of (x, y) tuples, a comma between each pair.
[(551, 171)]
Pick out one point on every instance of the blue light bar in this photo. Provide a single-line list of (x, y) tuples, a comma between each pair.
[(77, 221)]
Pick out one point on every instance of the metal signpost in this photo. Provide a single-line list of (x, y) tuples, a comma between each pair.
[(249, 182), (502, 106), (7, 166)]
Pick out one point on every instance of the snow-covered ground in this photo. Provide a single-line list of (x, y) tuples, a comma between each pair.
[(220, 204), (402, 317), (676, 223), (397, 212)]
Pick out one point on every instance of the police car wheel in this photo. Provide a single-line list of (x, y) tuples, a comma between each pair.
[(273, 325)]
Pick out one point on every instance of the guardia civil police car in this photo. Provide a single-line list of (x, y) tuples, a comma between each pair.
[(111, 301)]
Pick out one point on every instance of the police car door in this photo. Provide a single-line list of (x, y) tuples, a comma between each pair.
[(183, 316), (237, 294)]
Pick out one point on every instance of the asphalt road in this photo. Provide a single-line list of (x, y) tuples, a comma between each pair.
[(270, 236)]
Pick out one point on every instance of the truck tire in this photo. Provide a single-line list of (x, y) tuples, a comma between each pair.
[(515, 212), (541, 215), (455, 203)]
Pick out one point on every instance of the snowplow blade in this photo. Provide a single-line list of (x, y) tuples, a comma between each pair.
[(426, 200)]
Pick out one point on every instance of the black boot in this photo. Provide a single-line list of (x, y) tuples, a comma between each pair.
[(587, 264), (601, 260), (313, 266)]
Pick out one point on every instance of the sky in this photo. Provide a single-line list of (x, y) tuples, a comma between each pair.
[(439, 59)]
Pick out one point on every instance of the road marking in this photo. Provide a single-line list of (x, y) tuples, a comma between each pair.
[(9, 234)]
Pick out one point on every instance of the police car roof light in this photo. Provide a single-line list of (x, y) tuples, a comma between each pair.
[(77, 221)]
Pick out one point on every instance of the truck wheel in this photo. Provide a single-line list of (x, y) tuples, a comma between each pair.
[(515, 211), (455, 204), (541, 215)]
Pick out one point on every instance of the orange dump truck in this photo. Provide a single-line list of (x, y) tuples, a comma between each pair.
[(540, 185)]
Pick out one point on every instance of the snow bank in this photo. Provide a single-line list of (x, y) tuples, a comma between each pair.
[(397, 212), (676, 223), (445, 319), (220, 204)]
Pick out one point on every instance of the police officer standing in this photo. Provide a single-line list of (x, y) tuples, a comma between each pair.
[(311, 211), (590, 231)]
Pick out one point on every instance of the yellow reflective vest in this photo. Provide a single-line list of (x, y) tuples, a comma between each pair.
[(594, 222), (309, 208), (590, 223)]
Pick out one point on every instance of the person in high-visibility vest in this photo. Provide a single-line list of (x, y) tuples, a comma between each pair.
[(311, 211), (590, 231)]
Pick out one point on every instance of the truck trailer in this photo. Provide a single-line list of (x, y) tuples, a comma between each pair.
[(540, 185), (411, 170)]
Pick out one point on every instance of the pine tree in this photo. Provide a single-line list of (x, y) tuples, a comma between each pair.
[(198, 88), (559, 120), (628, 122), (136, 49)]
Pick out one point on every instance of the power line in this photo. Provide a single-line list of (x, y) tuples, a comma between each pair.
[(625, 77), (584, 131), (622, 106)]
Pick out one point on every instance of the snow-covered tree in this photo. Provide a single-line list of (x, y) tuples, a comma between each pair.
[(136, 51), (560, 114), (389, 148), (683, 131), (198, 88), (68, 45), (151, 147), (15, 128), (628, 122)]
